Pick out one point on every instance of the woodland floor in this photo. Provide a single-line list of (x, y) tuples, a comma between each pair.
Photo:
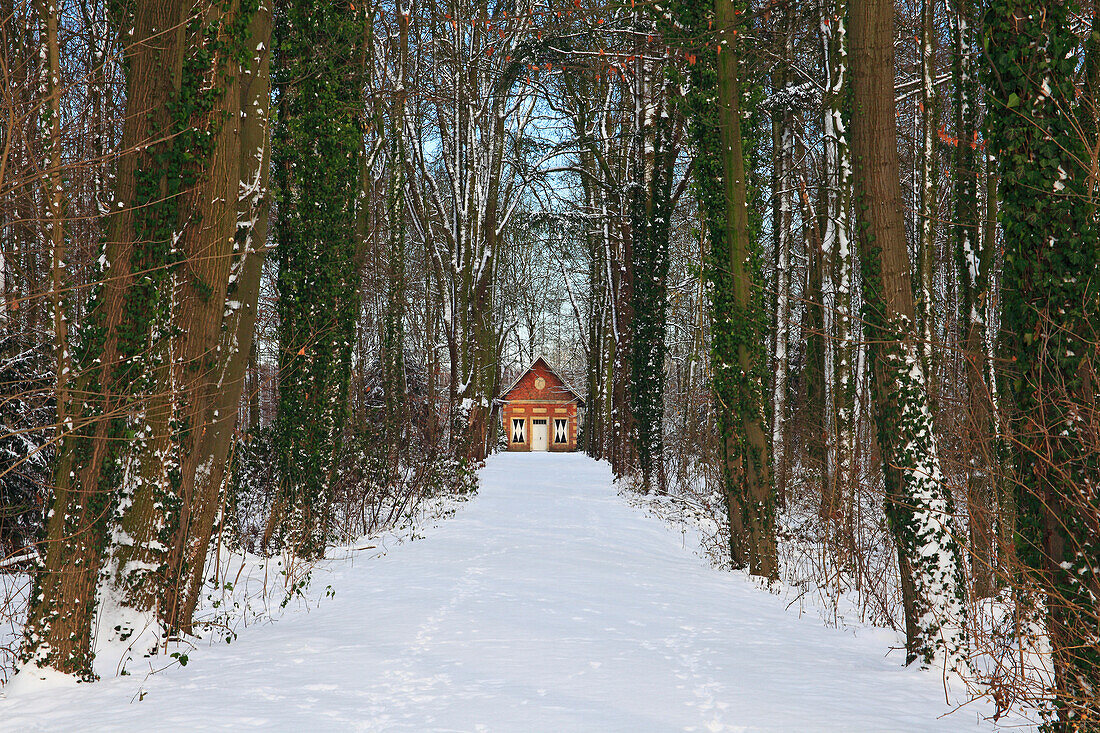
[(548, 603)]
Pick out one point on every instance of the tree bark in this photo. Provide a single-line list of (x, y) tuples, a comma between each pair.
[(929, 190), (237, 319), (841, 374), (973, 261), (1050, 292), (752, 500), (917, 502), (54, 196), (58, 633)]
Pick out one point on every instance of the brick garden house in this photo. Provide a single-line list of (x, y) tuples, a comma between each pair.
[(540, 411)]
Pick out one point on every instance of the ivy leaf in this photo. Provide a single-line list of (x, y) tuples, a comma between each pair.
[(1013, 100)]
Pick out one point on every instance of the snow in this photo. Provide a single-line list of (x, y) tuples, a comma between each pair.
[(548, 603)]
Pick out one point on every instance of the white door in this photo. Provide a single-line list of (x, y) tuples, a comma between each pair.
[(539, 435)]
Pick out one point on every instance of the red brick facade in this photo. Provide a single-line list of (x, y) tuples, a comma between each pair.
[(540, 411)]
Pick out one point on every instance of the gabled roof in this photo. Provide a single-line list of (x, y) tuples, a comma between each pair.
[(546, 364)]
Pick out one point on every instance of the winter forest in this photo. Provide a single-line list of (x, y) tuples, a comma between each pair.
[(827, 273)]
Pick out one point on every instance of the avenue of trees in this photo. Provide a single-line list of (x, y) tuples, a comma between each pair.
[(827, 271)]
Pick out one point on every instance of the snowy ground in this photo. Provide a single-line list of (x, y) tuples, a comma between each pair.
[(546, 604)]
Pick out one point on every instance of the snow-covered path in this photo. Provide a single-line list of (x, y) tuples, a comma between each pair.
[(546, 604)]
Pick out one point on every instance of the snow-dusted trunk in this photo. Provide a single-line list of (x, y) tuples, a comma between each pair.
[(918, 503), (692, 418), (168, 499), (115, 361), (927, 195), (613, 425), (782, 307), (973, 261), (588, 99), (836, 249), (782, 225), (236, 345), (620, 263), (10, 50), (654, 158), (53, 196), (619, 278), (393, 317), (1004, 503), (594, 424), (812, 329)]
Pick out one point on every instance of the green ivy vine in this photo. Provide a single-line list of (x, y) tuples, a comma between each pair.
[(1050, 322), (317, 74)]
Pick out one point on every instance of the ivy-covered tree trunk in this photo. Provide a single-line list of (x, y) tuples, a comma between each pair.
[(236, 345), (118, 343), (165, 494), (1050, 323), (654, 158), (743, 317), (207, 243), (738, 321), (316, 148), (918, 503)]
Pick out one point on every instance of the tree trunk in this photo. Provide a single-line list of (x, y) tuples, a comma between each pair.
[(316, 148), (113, 356), (169, 498), (918, 503), (1051, 291), (782, 226), (236, 318), (738, 361), (813, 335), (54, 197), (836, 248), (654, 158), (393, 338), (973, 261), (929, 190)]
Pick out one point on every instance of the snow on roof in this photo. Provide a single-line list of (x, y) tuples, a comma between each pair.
[(550, 369)]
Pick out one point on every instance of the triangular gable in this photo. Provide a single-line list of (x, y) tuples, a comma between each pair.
[(556, 387)]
